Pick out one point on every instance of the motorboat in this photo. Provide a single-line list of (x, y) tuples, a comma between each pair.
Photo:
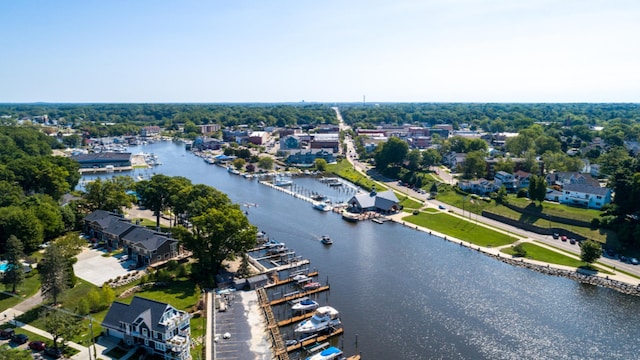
[(305, 305), (311, 285), (272, 243), (349, 216), (282, 181), (323, 318), (330, 353), (322, 206), (301, 278), (326, 240)]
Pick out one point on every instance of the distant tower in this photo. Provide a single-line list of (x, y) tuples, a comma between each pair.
[(363, 98)]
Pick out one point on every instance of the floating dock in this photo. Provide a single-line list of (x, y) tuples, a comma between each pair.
[(313, 340), (288, 280)]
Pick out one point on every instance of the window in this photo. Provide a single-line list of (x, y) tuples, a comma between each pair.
[(598, 197), (145, 333), (160, 346)]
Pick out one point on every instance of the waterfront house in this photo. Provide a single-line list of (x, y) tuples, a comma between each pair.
[(480, 186), (143, 245), (585, 195), (503, 178), (385, 202), (159, 328), (103, 159)]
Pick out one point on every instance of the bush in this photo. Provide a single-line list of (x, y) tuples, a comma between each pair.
[(519, 251), (522, 193), (416, 212), (595, 223)]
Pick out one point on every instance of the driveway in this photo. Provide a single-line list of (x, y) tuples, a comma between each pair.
[(97, 269)]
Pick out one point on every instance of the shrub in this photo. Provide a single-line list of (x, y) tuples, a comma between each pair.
[(519, 251), (522, 193), (416, 212), (595, 223)]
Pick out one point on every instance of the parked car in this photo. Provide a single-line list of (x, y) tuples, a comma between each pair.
[(442, 207), (572, 241), (634, 261), (6, 333), (556, 236), (37, 345), (19, 338), (53, 352), (563, 238), (124, 258)]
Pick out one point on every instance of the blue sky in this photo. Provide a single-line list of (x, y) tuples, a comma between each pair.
[(322, 51)]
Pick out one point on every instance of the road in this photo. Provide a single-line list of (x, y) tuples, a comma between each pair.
[(448, 178)]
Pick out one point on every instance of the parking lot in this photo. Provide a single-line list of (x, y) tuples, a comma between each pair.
[(97, 269)]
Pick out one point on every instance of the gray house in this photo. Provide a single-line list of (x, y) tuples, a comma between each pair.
[(385, 202), (159, 328)]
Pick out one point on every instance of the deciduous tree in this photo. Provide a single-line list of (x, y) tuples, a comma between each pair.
[(590, 251), (14, 275), (54, 275)]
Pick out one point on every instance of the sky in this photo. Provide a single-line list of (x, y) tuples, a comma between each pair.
[(214, 51)]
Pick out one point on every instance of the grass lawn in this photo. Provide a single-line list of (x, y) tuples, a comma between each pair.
[(408, 203), (151, 224), (197, 335), (602, 235), (460, 229), (457, 200), (345, 170), (552, 208), (181, 294), (539, 253), (29, 287)]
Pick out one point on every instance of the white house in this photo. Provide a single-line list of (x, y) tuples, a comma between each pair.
[(480, 186), (585, 195), (503, 178)]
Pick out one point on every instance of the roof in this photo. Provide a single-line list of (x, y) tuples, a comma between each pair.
[(586, 189), (145, 238), (103, 218), (118, 227), (384, 200), (140, 310), (102, 156)]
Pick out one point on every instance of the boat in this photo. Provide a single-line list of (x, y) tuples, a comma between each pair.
[(311, 285), (305, 305), (301, 278), (326, 240), (324, 318), (349, 216), (272, 243), (330, 353), (322, 206), (282, 181)]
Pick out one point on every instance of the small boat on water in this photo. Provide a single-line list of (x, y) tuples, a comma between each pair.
[(324, 318), (311, 285), (272, 243), (330, 353), (305, 305), (326, 240), (322, 206)]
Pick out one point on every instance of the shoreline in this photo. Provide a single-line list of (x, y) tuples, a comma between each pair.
[(612, 282)]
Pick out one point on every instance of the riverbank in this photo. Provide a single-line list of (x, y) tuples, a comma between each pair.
[(618, 281)]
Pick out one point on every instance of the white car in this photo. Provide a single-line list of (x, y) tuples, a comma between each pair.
[(123, 258)]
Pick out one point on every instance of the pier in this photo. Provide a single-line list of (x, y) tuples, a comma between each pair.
[(313, 340), (298, 295), (289, 280)]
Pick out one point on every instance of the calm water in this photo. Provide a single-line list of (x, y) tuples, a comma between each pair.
[(406, 295)]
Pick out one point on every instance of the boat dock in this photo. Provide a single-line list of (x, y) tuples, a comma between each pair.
[(289, 280), (313, 340), (295, 319), (298, 295)]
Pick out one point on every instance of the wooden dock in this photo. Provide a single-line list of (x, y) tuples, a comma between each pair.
[(295, 319), (272, 326), (314, 340), (286, 281), (298, 295)]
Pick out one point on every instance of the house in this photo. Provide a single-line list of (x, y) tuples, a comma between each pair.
[(308, 158), (453, 160), (144, 246), (326, 141), (385, 202), (522, 179), (585, 195), (159, 328), (103, 159), (503, 178), (480, 186)]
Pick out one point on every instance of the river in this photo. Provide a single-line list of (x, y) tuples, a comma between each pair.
[(404, 294)]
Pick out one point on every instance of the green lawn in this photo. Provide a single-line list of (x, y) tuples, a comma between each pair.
[(539, 253), (408, 203), (345, 170), (183, 294), (551, 208), (601, 235), (29, 287), (460, 229)]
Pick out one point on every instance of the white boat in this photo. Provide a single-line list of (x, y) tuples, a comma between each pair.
[(330, 353), (280, 180), (322, 206), (273, 243), (326, 240), (305, 305), (324, 318)]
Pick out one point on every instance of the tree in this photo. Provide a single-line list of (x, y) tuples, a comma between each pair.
[(501, 197), (414, 159), (321, 164), (474, 165), (265, 162), (239, 163), (507, 165), (108, 194), (24, 224), (590, 251), (519, 250), (537, 188), (54, 275), (160, 193), (61, 325), (393, 152), (218, 234), (8, 353), (14, 275), (430, 157)]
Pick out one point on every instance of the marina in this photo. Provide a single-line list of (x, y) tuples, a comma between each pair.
[(441, 300)]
